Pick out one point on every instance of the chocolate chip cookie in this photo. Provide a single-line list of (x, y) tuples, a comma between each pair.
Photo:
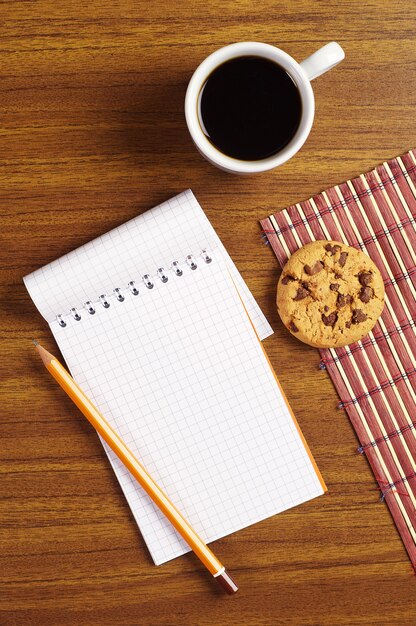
[(329, 294)]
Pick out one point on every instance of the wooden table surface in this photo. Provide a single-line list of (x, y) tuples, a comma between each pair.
[(92, 133)]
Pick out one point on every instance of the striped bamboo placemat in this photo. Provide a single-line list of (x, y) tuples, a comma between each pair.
[(375, 377)]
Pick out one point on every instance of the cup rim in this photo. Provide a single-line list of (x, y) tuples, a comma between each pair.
[(198, 80)]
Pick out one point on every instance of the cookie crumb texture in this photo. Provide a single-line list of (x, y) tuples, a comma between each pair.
[(329, 294)]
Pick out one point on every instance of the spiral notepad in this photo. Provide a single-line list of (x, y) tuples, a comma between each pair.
[(151, 322)]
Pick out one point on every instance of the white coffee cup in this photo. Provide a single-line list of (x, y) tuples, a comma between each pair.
[(302, 73)]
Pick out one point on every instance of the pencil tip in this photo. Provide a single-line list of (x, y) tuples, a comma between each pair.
[(35, 342)]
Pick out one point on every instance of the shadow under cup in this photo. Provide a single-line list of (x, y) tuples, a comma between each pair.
[(249, 108)]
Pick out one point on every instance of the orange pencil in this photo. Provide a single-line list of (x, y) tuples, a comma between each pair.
[(208, 558)]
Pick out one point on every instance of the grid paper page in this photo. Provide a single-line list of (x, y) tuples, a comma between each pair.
[(164, 234), (179, 372)]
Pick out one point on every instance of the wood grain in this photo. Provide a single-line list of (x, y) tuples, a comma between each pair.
[(92, 133)]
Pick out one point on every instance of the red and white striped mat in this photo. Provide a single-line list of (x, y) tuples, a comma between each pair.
[(375, 377)]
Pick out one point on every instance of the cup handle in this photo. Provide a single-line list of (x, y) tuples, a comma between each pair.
[(323, 60)]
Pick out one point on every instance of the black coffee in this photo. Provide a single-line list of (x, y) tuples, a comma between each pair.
[(250, 107)]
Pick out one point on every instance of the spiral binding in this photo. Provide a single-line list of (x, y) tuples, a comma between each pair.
[(149, 281)]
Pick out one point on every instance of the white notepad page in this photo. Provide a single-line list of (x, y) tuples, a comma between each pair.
[(170, 231), (180, 374)]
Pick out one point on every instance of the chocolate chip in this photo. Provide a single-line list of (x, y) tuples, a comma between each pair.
[(334, 286), (305, 285), (329, 320), (343, 300), (348, 324), (358, 316), (301, 294), (316, 267), (365, 278), (326, 308), (342, 258), (332, 249), (338, 275), (293, 327), (366, 293), (287, 279)]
